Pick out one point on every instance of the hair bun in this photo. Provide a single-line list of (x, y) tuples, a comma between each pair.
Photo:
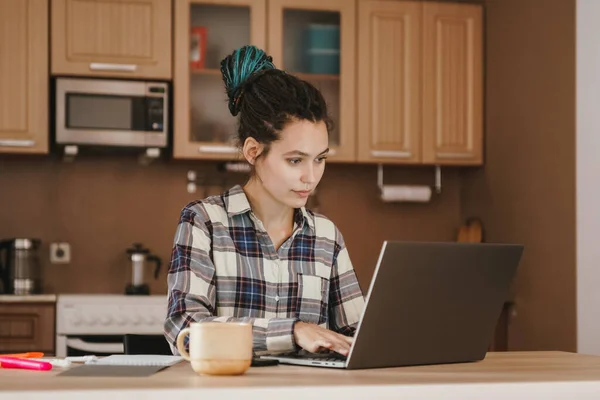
[(238, 67)]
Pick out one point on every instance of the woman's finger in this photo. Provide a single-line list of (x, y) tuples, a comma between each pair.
[(322, 343), (338, 336), (347, 339), (341, 346), (341, 350)]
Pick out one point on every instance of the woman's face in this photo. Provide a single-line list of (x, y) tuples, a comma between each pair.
[(294, 165)]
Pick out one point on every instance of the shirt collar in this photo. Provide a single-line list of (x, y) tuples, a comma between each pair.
[(306, 216), (236, 203)]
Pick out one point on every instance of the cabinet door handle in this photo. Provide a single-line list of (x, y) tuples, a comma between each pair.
[(390, 154), (113, 67), (218, 149), (453, 155), (16, 143)]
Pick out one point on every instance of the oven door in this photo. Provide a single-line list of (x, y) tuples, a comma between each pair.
[(86, 345), (111, 113)]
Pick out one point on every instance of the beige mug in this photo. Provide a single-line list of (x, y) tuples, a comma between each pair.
[(217, 348)]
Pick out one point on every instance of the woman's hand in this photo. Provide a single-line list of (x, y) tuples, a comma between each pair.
[(313, 338)]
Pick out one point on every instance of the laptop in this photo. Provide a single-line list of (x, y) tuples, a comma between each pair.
[(428, 303)]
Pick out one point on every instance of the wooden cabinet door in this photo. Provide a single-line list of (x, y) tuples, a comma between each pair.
[(24, 76), (452, 84), (116, 38), (389, 82), (27, 327), (288, 22), (203, 126)]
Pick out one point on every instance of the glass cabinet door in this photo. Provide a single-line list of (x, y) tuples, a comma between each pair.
[(206, 31), (315, 40)]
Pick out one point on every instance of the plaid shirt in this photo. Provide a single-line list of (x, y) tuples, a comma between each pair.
[(224, 267)]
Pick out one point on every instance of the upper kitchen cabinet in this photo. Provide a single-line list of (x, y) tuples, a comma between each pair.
[(420, 83), (452, 84), (112, 38), (24, 76), (316, 41), (389, 87), (206, 31)]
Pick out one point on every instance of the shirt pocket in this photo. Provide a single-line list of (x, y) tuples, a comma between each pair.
[(313, 293)]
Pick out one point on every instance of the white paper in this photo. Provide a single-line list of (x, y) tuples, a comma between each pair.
[(137, 359)]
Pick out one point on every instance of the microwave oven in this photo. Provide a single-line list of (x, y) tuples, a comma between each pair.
[(111, 112)]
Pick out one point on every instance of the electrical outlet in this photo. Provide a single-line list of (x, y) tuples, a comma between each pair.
[(60, 253)]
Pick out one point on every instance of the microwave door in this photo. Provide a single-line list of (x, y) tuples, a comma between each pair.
[(103, 119)]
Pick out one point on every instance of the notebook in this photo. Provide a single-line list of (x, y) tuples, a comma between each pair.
[(137, 360), (116, 371)]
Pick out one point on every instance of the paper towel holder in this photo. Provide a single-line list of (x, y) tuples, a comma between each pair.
[(437, 183)]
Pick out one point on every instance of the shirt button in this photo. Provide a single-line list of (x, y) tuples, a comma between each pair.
[(277, 298)]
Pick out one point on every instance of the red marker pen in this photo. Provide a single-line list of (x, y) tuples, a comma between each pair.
[(23, 363)]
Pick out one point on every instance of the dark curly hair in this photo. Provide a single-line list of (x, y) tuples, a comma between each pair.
[(267, 98)]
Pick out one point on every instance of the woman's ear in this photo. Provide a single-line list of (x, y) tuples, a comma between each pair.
[(252, 150)]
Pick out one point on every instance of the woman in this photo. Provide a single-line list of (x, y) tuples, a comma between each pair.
[(255, 254)]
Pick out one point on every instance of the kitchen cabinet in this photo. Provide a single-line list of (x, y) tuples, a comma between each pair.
[(203, 127), (452, 84), (289, 25), (27, 326), (411, 95), (389, 88), (420, 73), (112, 38), (24, 76)]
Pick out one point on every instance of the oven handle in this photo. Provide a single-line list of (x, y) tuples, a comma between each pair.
[(110, 348)]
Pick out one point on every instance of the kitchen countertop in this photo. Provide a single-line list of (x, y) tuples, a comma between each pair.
[(511, 375), (30, 298)]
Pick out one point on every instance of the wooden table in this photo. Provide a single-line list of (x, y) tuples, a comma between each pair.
[(547, 375)]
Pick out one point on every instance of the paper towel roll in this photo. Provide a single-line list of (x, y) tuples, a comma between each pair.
[(420, 194)]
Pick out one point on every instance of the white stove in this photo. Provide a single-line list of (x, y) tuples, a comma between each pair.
[(95, 324)]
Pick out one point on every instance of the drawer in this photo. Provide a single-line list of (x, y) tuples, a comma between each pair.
[(27, 327)]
